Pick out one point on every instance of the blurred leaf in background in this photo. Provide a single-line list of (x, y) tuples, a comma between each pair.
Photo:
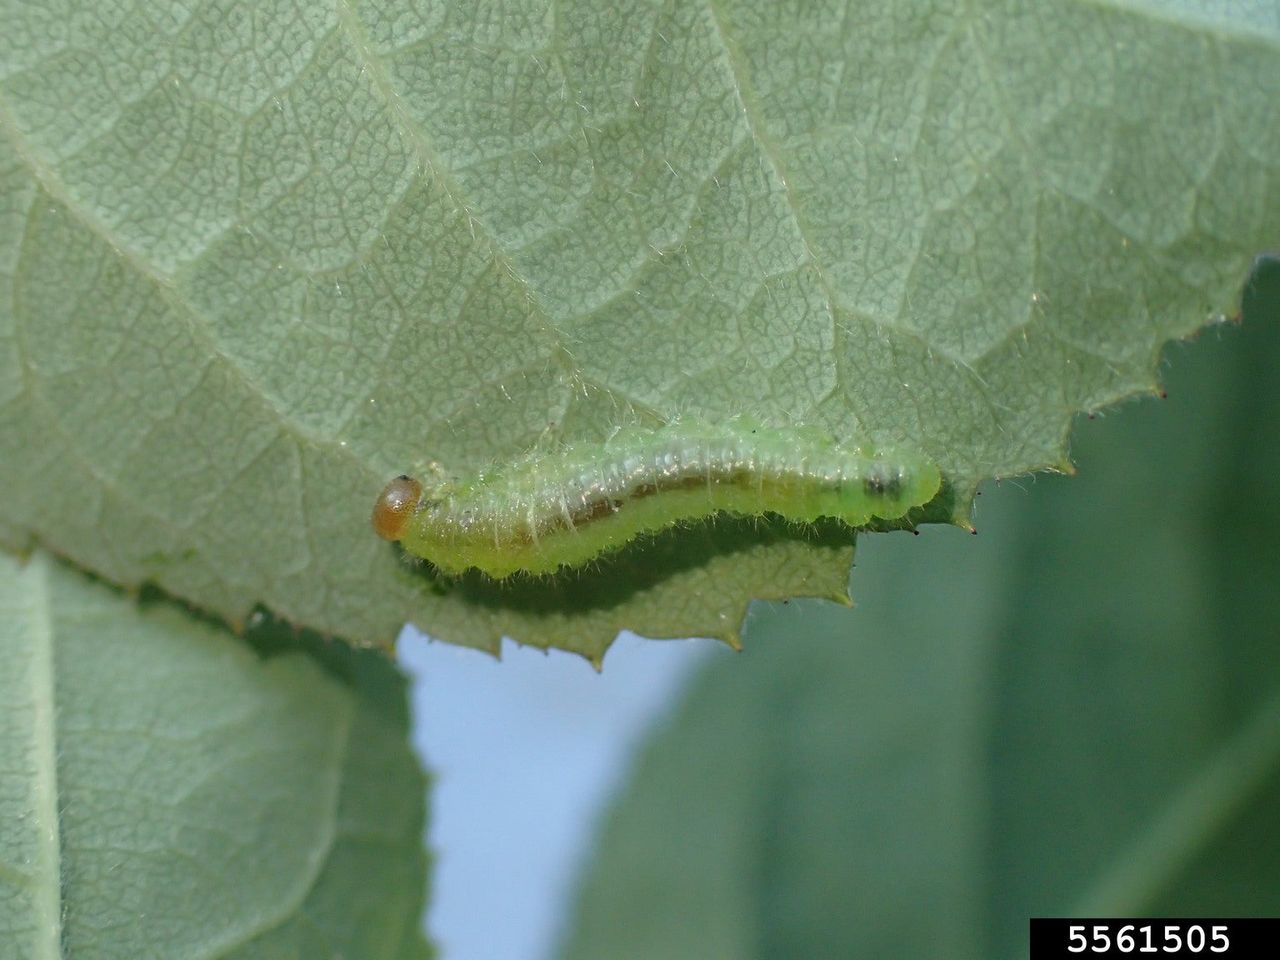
[(1076, 712), (166, 791)]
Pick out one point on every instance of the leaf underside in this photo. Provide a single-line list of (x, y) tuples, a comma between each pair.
[(166, 792), (257, 259)]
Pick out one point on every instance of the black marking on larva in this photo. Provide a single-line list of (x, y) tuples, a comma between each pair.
[(592, 510), (597, 509), (879, 483)]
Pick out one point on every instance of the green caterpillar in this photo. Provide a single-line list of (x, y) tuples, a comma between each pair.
[(566, 507)]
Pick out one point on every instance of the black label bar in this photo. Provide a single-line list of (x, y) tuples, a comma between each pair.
[(1084, 939)]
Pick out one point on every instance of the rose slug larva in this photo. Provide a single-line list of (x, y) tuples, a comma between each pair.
[(565, 507)]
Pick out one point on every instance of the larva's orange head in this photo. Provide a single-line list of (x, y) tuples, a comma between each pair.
[(396, 504)]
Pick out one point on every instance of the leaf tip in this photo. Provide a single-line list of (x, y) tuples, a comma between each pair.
[(842, 597)]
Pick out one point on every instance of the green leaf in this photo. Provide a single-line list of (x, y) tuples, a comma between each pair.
[(167, 792), (1076, 713), (255, 259)]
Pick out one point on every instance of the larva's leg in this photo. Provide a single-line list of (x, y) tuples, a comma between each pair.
[(549, 438), (430, 472)]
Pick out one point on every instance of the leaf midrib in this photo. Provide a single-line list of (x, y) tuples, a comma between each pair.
[(47, 888)]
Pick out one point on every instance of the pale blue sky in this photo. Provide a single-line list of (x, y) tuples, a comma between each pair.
[(526, 753)]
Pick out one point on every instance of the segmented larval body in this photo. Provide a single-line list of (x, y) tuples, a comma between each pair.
[(565, 507)]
